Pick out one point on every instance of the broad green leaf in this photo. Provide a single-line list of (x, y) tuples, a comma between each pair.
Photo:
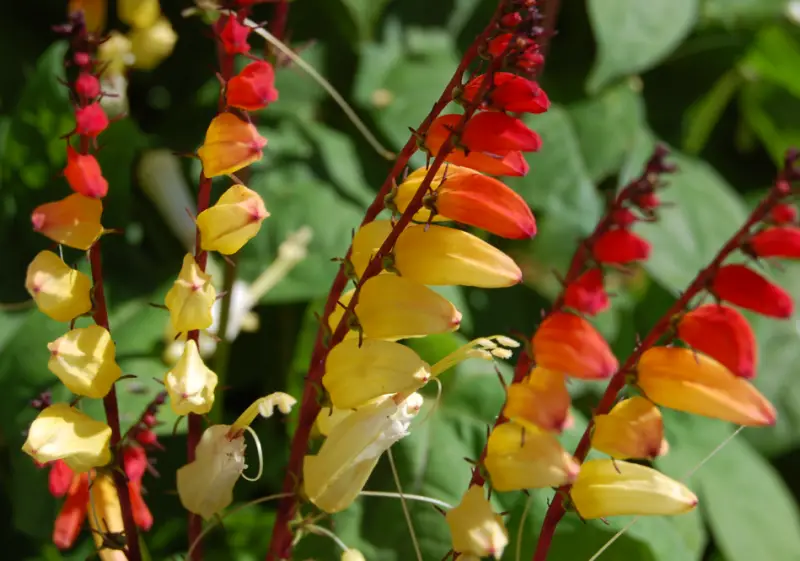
[(742, 12), (773, 115), (775, 56), (703, 115), (633, 36), (365, 15), (121, 143)]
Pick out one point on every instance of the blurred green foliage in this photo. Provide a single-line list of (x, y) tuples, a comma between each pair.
[(718, 80)]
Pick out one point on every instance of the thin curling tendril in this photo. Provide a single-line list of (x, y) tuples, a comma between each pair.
[(258, 453)]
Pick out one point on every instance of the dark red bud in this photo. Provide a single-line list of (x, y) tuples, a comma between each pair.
[(623, 217), (784, 214), (87, 86)]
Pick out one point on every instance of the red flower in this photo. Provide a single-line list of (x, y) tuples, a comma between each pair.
[(569, 344), (234, 36), (619, 247), (524, 55), (90, 120), (253, 88), (84, 175), (741, 286), (780, 241), (648, 201), (784, 214), (723, 334), (586, 294), (510, 93), (87, 86), (59, 479), (623, 217)]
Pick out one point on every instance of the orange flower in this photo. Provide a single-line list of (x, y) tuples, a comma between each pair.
[(689, 381), (253, 88), (234, 220), (781, 241), (84, 175), (73, 221), (619, 247), (568, 343), (466, 196), (509, 93), (741, 286), (723, 334), (632, 429), (230, 145), (541, 400)]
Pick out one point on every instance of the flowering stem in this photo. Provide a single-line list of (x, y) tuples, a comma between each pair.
[(779, 191), (281, 544)]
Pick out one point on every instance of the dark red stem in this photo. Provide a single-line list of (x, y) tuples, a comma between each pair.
[(277, 26)]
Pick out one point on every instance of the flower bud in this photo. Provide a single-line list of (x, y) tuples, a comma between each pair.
[(190, 383), (392, 308), (191, 298), (234, 36), (475, 528), (541, 400), (230, 145), (357, 374), (723, 334), (84, 175), (73, 221), (632, 429), (466, 196), (233, 221), (84, 361), (568, 343), (70, 518), (151, 45), (780, 241), (745, 288), (105, 516), (620, 247), (784, 214), (689, 381), (61, 432), (437, 255), (138, 13), (87, 86), (586, 294), (253, 88), (526, 60), (60, 292), (90, 120), (614, 488), (510, 92), (527, 458)]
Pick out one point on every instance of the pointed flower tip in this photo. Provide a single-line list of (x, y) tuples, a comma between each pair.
[(620, 247), (475, 528), (780, 241), (253, 88), (90, 120), (541, 400), (85, 361), (745, 288), (73, 221), (230, 145), (510, 92), (586, 294), (632, 429), (568, 343), (191, 298), (233, 221), (84, 175), (191, 384)]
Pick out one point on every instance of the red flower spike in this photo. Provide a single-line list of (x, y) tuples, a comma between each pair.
[(87, 86), (747, 289), (141, 514), (784, 214), (90, 120), (134, 459), (146, 437), (623, 217), (253, 88), (73, 513), (234, 37), (586, 294), (84, 175), (510, 93), (59, 478), (723, 334), (82, 59), (511, 20), (648, 201), (619, 247), (780, 241), (526, 59)]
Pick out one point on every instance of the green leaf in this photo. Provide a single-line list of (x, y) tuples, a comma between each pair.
[(365, 15), (633, 36), (775, 56), (121, 143), (299, 93), (703, 115), (742, 12), (773, 114)]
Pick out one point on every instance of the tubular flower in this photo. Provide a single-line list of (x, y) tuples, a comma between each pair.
[(151, 45), (741, 286), (60, 292), (783, 214), (466, 196), (61, 432), (73, 512), (689, 381), (491, 142), (191, 298), (510, 92), (230, 145), (253, 88), (527, 458), (334, 477), (586, 294), (541, 400), (73, 221), (329, 417), (234, 36), (205, 486), (191, 383), (613, 488), (524, 55), (84, 175), (780, 241), (619, 247), (723, 334), (90, 120), (233, 221), (632, 429), (568, 343), (475, 528), (437, 255), (105, 517), (138, 13), (84, 361), (393, 308)]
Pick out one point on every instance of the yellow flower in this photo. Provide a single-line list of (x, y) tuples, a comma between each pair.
[(191, 384), (233, 221), (59, 291), (138, 13), (105, 515), (191, 298), (541, 400), (329, 417), (205, 486), (527, 458), (352, 555), (475, 528), (73, 221), (613, 488), (334, 477), (151, 45), (391, 308), (230, 145), (632, 429), (84, 361), (689, 381), (437, 255), (61, 432), (114, 54)]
